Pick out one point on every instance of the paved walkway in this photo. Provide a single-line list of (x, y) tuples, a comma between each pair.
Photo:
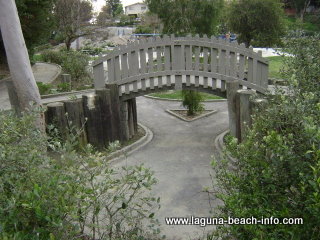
[(180, 154), (43, 72)]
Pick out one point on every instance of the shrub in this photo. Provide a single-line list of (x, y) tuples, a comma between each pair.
[(67, 195), (44, 88), (278, 168), (72, 62), (192, 101)]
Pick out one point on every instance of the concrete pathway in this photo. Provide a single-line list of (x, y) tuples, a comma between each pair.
[(43, 72), (180, 154)]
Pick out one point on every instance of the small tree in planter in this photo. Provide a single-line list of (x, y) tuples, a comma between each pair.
[(192, 101)]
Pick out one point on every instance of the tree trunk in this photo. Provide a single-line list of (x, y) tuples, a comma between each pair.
[(303, 11), (18, 58)]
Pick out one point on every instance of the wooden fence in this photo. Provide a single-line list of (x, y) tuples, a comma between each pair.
[(175, 62)]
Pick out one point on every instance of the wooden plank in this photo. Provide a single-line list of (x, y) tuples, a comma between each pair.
[(205, 82), (222, 62), (133, 63), (159, 59), (56, 116), (196, 58), (241, 66), (254, 72), (98, 76), (167, 58), (111, 77), (188, 81), (196, 81), (115, 108), (250, 70), (93, 127), (150, 60), (117, 68), (105, 114), (124, 66), (214, 60), (205, 59), (188, 55), (214, 83), (143, 64), (233, 62), (74, 108)]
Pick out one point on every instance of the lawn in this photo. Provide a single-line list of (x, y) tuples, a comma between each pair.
[(275, 65), (178, 95)]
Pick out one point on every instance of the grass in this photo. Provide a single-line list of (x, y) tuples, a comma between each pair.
[(178, 95), (276, 63), (310, 24)]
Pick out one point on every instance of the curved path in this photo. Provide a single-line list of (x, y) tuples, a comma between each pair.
[(43, 72), (180, 155)]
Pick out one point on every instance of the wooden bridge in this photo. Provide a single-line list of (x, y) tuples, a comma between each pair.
[(212, 65), (206, 64)]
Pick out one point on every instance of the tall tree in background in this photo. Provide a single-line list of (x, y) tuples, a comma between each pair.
[(18, 58), (37, 23), (115, 7), (187, 16), (104, 15), (71, 17), (258, 21)]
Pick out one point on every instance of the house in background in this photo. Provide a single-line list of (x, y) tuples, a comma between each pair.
[(136, 9)]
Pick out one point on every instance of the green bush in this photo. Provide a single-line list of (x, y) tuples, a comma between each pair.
[(66, 195), (278, 168), (44, 88), (192, 101), (72, 62)]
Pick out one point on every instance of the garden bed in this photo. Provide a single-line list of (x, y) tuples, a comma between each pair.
[(183, 114)]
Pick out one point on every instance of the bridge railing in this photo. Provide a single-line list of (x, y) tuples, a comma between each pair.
[(170, 60)]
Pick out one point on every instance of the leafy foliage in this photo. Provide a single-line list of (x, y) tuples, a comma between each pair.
[(187, 16), (115, 7), (67, 195), (72, 62), (192, 101), (37, 21), (257, 22), (277, 173)]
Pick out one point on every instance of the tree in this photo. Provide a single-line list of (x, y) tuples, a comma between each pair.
[(187, 16), (192, 100), (257, 21), (115, 7), (18, 58), (104, 15), (72, 16), (37, 22)]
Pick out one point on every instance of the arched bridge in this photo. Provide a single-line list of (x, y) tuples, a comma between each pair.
[(170, 62)]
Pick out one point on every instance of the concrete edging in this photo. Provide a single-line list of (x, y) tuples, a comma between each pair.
[(179, 100), (66, 93), (219, 148), (128, 150), (190, 120)]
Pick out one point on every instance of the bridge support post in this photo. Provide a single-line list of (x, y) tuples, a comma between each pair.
[(75, 111), (233, 108), (106, 114), (115, 109), (124, 117), (245, 108)]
